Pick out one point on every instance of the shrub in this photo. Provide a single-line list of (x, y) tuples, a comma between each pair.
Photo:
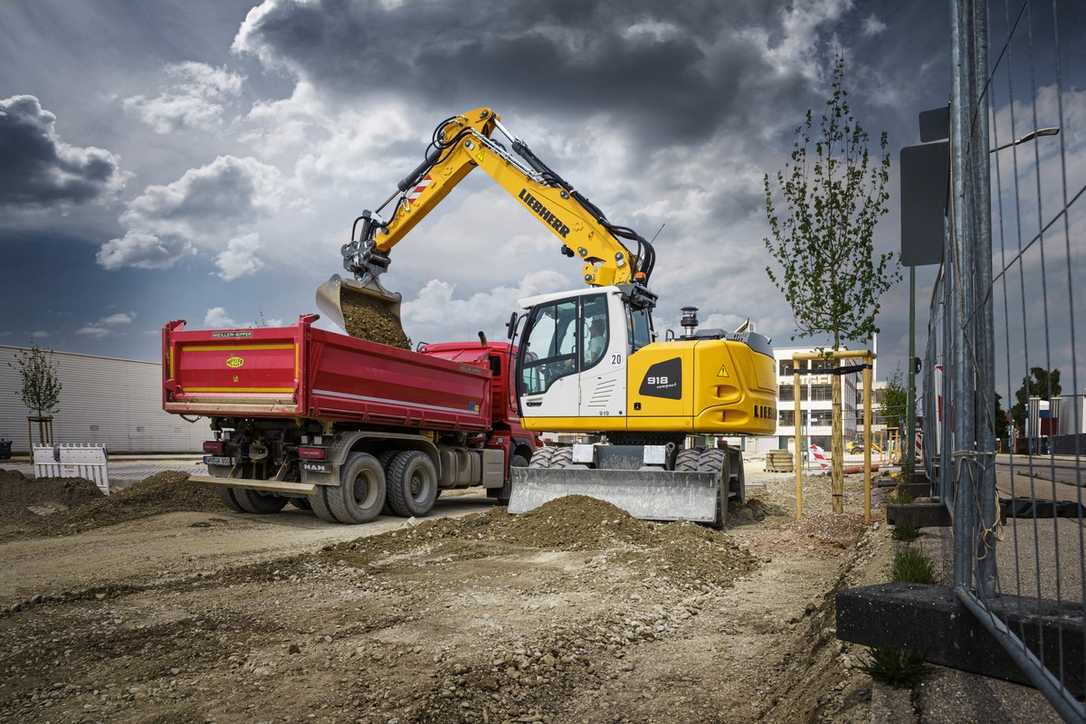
[(895, 667), (912, 566), (905, 532)]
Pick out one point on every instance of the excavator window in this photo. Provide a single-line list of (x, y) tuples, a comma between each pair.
[(550, 350), (594, 329), (640, 325)]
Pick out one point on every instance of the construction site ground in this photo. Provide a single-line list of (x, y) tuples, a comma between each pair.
[(572, 613)]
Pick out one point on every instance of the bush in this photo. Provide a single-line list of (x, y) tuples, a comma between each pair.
[(895, 667), (905, 532), (900, 496), (912, 566)]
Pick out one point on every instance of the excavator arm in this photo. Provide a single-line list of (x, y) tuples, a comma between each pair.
[(462, 143)]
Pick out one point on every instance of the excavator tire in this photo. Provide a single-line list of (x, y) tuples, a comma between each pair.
[(553, 457), (252, 501), (700, 460), (361, 493), (412, 484)]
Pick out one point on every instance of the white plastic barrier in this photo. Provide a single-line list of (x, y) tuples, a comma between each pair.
[(73, 461)]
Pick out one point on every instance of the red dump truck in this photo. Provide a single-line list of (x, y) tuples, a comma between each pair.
[(344, 426)]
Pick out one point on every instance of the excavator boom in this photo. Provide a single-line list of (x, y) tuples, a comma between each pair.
[(459, 145)]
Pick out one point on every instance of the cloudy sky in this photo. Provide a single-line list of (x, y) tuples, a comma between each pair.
[(203, 160)]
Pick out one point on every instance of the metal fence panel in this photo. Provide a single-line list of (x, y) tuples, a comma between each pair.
[(1001, 324)]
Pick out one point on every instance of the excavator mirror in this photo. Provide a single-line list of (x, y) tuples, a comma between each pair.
[(511, 326)]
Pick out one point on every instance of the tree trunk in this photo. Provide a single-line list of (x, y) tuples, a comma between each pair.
[(837, 455)]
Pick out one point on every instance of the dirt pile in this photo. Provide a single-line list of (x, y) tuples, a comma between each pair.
[(30, 507), (684, 553), (368, 318), (23, 498)]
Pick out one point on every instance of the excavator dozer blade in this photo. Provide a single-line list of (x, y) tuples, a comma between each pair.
[(363, 310), (646, 494)]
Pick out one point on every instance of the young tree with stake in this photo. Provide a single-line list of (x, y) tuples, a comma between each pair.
[(40, 389), (833, 193)]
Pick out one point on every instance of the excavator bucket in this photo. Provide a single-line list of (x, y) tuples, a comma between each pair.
[(365, 310), (697, 489)]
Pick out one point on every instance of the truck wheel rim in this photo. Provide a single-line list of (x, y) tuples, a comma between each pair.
[(365, 491), (418, 486)]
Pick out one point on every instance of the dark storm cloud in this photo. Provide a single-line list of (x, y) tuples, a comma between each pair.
[(38, 169), (680, 70)]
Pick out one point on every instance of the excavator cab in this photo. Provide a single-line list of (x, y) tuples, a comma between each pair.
[(589, 363)]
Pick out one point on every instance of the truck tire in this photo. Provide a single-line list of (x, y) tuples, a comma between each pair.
[(412, 484), (361, 492), (700, 460), (385, 459), (227, 495), (319, 505), (254, 501), (506, 490)]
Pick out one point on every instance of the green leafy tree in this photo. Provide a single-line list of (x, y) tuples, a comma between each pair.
[(1040, 383), (822, 238), (40, 390), (1000, 420), (895, 400), (832, 193)]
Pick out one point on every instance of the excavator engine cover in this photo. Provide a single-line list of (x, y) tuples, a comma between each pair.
[(365, 310)]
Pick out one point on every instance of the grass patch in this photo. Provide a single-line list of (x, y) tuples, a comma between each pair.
[(912, 566), (905, 532), (895, 667)]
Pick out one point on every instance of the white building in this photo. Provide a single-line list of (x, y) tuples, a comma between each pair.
[(107, 400), (816, 399)]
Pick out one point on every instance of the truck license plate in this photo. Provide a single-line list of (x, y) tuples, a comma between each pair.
[(312, 467), (218, 460)]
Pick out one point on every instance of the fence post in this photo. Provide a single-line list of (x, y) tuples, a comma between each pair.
[(983, 327), (960, 262)]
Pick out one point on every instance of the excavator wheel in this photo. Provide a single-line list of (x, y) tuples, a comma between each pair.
[(700, 460), (552, 457)]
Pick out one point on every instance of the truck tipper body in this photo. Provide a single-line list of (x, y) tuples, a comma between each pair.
[(341, 425)]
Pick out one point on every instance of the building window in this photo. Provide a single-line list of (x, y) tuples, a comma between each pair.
[(788, 418), (821, 392), (786, 368), (821, 418)]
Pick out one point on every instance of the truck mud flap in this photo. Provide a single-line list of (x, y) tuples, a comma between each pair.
[(646, 494)]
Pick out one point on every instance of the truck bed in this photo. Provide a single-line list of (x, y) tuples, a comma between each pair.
[(301, 371)]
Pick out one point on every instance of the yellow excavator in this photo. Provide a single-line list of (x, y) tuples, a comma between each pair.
[(589, 361)]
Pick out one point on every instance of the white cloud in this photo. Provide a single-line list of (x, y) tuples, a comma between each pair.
[(194, 212), (39, 334), (216, 317), (435, 314), (239, 258), (195, 98), (872, 25), (118, 319), (142, 250), (93, 330)]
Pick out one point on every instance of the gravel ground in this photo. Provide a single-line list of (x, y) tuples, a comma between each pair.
[(572, 613)]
